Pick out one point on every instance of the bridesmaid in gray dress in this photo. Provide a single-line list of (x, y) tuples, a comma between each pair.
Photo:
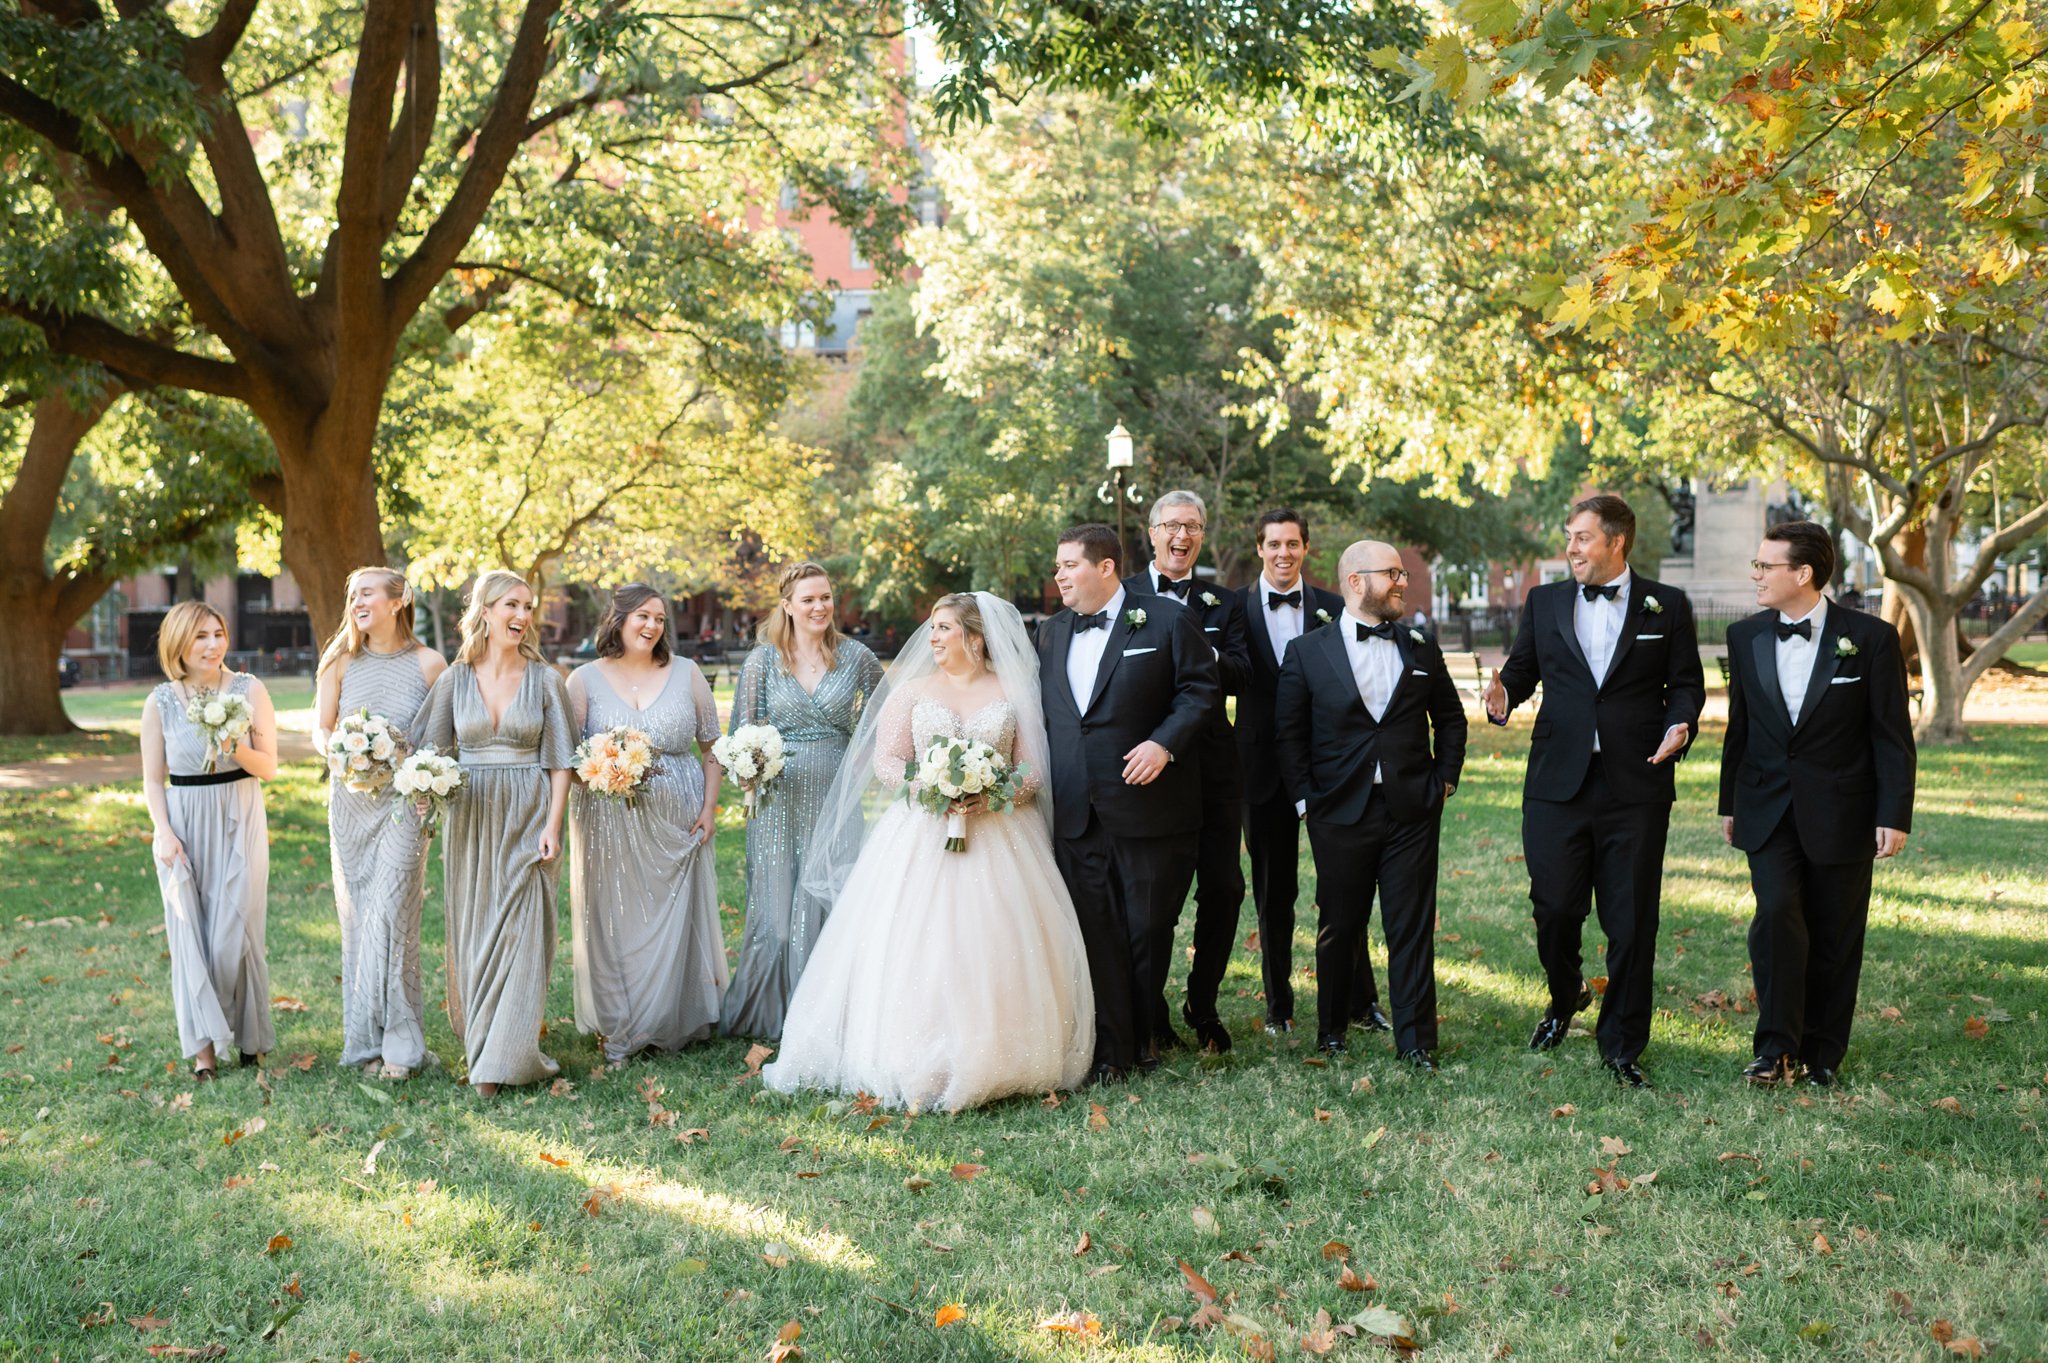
[(809, 681), (643, 884), (211, 844), (378, 847), (505, 714)]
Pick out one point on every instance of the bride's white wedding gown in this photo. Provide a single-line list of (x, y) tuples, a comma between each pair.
[(943, 979)]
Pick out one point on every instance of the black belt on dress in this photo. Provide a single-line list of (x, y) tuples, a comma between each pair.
[(211, 778)]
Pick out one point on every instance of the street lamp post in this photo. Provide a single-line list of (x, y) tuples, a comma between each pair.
[(1120, 458)]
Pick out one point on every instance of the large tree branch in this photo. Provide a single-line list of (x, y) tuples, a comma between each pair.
[(128, 356), (351, 276), (212, 48), (248, 220), (416, 114), (28, 507), (1987, 654)]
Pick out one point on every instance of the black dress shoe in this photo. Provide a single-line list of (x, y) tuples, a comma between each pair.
[(1550, 1032), (1820, 1076), (1210, 1034), (1419, 1058), (248, 1061), (1767, 1070), (1330, 1044), (1374, 1019), (1105, 1073), (1627, 1073), (1279, 1027)]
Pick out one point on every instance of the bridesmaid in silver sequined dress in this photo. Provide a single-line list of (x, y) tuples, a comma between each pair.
[(378, 847), (505, 714), (210, 844), (643, 883), (809, 681)]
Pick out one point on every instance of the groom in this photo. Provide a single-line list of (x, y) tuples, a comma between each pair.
[(1128, 683)]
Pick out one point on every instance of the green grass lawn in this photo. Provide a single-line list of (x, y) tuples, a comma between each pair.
[(585, 1224)]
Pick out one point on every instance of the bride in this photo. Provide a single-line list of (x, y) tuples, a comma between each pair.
[(942, 979)]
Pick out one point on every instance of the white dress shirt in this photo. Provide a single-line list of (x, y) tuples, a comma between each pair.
[(1598, 625), (1084, 654), (1795, 659), (1375, 666), (1283, 624)]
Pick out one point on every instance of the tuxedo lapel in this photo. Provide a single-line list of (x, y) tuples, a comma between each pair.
[(1062, 644), (1120, 631), (1562, 615), (1260, 625), (1631, 623), (1405, 646), (1764, 649), (1825, 662), (1338, 659)]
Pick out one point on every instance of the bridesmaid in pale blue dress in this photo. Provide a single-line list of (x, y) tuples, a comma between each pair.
[(810, 682), (643, 879), (210, 843)]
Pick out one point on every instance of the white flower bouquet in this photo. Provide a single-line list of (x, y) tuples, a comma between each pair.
[(616, 762), (956, 769), (429, 780), (364, 751), (223, 720), (752, 757)]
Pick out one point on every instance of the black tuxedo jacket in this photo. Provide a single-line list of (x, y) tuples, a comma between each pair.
[(1258, 758), (1329, 743), (1217, 611), (1653, 682), (1846, 769), (1157, 681)]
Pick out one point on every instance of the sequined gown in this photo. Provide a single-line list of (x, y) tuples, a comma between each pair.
[(783, 923), (379, 853), (500, 894), (216, 899), (643, 892), (944, 979)]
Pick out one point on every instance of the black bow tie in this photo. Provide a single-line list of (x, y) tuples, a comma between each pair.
[(1608, 592), (1383, 630), (1275, 600), (1804, 629), (1179, 589), (1084, 623)]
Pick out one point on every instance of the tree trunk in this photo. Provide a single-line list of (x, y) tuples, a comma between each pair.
[(32, 630), (1941, 671), (331, 525)]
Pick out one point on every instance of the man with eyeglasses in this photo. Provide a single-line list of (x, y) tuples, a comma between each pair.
[(1817, 783), (1619, 662), (1179, 524), (1372, 738)]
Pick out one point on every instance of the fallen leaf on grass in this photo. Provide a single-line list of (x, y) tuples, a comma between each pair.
[(1083, 1245), (1098, 1117), (106, 1315), (1563, 1110), (1051, 1100), (557, 1161), (305, 1060), (1352, 1282), (148, 1321), (279, 1243), (1901, 1303), (1378, 1320), (1196, 1283), (1821, 1245), (785, 1346), (185, 1351), (949, 1313), (1205, 1221), (1072, 1323), (1952, 1105), (967, 1173), (1727, 1155), (293, 1289), (1322, 1114), (285, 1003), (757, 1056), (1969, 1346), (370, 1160), (1614, 1145), (1976, 1028), (917, 1183), (775, 1254), (248, 1128), (1335, 1249)]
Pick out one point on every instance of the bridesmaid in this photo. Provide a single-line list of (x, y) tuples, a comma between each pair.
[(211, 845), (643, 884), (809, 681), (505, 714), (379, 849)]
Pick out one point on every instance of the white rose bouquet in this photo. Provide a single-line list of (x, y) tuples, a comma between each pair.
[(752, 757), (957, 769), (615, 762), (429, 780), (364, 751), (223, 719)]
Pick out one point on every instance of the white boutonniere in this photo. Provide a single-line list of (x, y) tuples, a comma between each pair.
[(1322, 615), (1417, 636), (1135, 618), (1652, 606), (1209, 599), (1843, 648)]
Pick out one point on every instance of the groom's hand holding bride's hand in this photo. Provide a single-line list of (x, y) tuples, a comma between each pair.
[(1143, 763)]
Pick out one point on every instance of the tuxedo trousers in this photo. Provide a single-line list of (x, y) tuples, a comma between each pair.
[(1598, 850), (1397, 861), (1272, 837), (1127, 894), (1805, 948), (1219, 897)]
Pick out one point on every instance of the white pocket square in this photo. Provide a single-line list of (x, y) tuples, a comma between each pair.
[(1418, 672), (1645, 638), (1210, 629), (1842, 681), (1134, 652)]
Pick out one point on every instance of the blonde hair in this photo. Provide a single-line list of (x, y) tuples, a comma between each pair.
[(966, 608), (348, 640), (488, 590), (180, 627), (779, 629)]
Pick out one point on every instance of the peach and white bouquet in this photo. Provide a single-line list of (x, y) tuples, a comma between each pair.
[(364, 751), (752, 756), (615, 762)]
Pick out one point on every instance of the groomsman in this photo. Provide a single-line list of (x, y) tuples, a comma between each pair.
[(1278, 609), (1180, 522), (1622, 689), (1357, 708), (1127, 682), (1816, 784)]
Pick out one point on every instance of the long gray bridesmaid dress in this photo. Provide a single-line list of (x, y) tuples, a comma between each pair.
[(379, 852), (782, 922), (216, 899), (643, 893), (500, 894)]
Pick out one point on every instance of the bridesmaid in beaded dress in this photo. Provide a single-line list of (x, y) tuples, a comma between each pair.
[(643, 884), (378, 848), (809, 681), (505, 713), (211, 845)]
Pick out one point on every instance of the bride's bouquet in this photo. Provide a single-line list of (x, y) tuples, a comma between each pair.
[(955, 769), (364, 752), (429, 780), (752, 757), (615, 762), (221, 719)]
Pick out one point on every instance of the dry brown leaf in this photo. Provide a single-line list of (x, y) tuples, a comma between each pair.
[(1335, 1249), (917, 1183), (1098, 1117), (967, 1173), (1072, 1323), (1196, 1283), (1727, 1155), (1083, 1245), (1598, 984), (949, 1313), (1205, 1221), (185, 1350), (148, 1321), (279, 1243), (1969, 1346), (1052, 1099), (285, 1003), (785, 1348), (757, 1056), (1976, 1028), (1614, 1145), (1563, 1110), (1942, 1331), (1322, 1114), (546, 1158), (1821, 1245), (1350, 1281)]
